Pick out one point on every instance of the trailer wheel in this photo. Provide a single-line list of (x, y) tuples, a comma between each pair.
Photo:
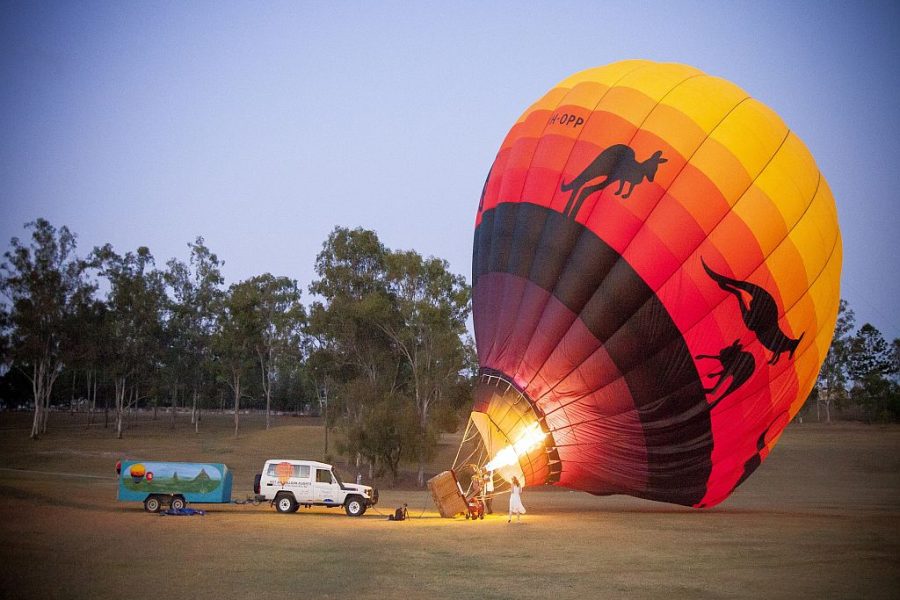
[(178, 502), (152, 503), (354, 506), (285, 503)]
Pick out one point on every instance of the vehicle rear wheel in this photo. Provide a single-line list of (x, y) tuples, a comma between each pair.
[(354, 506), (178, 502), (285, 503), (152, 503)]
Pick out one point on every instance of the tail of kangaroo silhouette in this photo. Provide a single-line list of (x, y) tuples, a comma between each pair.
[(618, 164), (760, 314)]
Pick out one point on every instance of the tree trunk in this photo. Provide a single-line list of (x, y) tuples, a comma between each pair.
[(45, 416), (72, 394), (195, 418), (120, 405), (37, 392), (323, 403), (423, 431), (267, 388), (237, 403), (129, 406), (92, 398), (36, 422), (174, 403)]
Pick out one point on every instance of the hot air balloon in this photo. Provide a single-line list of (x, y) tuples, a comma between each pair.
[(284, 471), (656, 276), (137, 472)]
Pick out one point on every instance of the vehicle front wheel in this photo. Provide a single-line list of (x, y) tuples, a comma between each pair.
[(285, 503), (354, 506), (178, 503), (152, 504)]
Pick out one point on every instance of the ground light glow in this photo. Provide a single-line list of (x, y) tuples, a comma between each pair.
[(530, 439)]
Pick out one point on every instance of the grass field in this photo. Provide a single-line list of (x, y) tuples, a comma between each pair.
[(820, 519)]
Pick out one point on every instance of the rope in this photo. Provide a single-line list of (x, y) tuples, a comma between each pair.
[(424, 508), (463, 441)]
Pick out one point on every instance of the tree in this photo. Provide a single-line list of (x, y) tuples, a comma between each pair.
[(236, 338), (135, 302), (345, 327), (44, 283), (197, 300), (323, 369), (433, 305), (389, 347), (895, 348), (280, 318), (833, 374), (871, 364), (89, 353)]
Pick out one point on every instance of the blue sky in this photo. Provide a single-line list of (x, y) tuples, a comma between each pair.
[(261, 126)]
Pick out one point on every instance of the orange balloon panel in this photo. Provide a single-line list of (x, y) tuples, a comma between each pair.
[(656, 275)]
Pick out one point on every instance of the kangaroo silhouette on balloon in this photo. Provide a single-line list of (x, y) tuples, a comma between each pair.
[(760, 314), (616, 163), (736, 363)]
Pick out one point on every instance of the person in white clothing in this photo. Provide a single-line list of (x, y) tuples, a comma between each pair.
[(515, 501)]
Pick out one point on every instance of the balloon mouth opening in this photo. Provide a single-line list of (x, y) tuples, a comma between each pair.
[(513, 431)]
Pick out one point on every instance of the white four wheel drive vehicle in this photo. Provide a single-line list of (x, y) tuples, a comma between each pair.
[(290, 484)]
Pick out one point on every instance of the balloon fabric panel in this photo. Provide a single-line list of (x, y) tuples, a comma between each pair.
[(656, 271)]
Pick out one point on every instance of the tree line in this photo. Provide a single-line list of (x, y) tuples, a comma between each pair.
[(382, 351), (859, 377)]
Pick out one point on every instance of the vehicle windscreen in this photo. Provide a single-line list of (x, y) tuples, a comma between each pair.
[(337, 478)]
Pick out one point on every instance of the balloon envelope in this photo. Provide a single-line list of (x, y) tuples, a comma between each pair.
[(656, 281)]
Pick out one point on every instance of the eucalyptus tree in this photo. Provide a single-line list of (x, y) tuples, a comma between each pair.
[(44, 283), (90, 354), (832, 383), (236, 338), (196, 302), (136, 303), (871, 366), (324, 370), (280, 318), (390, 346), (352, 301), (430, 335)]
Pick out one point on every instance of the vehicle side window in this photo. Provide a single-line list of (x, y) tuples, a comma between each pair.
[(323, 476), (296, 471)]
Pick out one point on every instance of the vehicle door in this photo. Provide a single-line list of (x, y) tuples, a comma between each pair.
[(326, 487), (301, 484)]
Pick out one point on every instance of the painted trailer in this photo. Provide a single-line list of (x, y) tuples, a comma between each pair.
[(173, 483)]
